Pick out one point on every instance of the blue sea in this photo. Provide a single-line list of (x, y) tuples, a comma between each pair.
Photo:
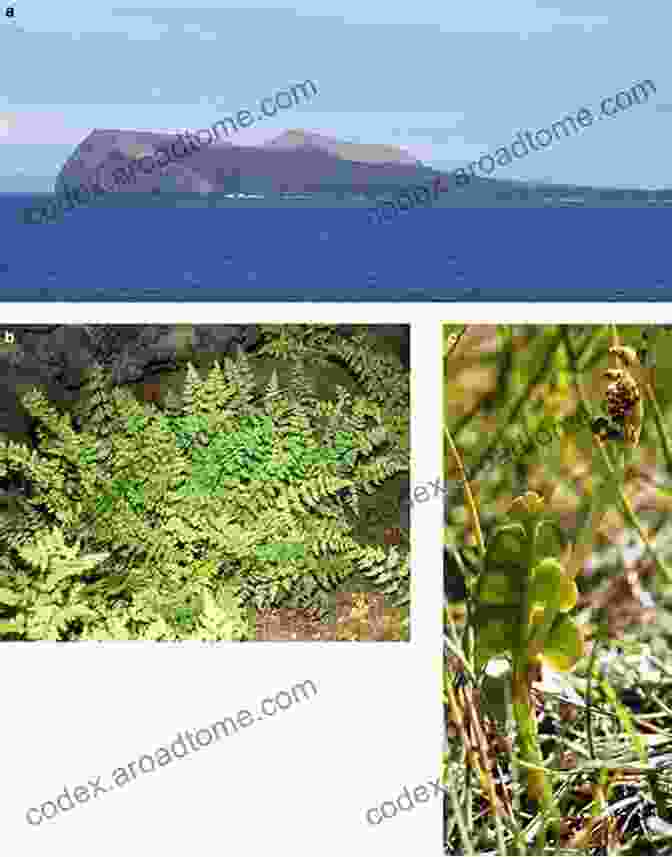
[(246, 250)]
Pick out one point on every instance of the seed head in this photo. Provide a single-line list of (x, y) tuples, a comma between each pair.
[(624, 403)]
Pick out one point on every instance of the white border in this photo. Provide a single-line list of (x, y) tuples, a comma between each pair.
[(371, 313)]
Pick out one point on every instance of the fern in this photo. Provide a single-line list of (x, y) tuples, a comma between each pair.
[(232, 495), (392, 576)]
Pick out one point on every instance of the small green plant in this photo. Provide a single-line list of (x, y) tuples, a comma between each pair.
[(523, 597)]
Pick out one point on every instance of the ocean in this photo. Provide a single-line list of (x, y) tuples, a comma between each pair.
[(248, 250)]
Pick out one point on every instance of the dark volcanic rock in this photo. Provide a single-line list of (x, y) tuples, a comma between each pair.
[(53, 357)]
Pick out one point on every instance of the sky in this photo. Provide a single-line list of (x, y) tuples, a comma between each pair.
[(448, 83)]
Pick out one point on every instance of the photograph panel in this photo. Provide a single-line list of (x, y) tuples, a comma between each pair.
[(204, 482), (557, 588)]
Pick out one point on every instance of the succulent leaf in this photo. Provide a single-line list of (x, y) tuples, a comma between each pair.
[(497, 631), (518, 607), (564, 646), (502, 579), (551, 585), (546, 582)]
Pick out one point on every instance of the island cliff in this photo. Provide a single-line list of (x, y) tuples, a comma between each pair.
[(296, 161)]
